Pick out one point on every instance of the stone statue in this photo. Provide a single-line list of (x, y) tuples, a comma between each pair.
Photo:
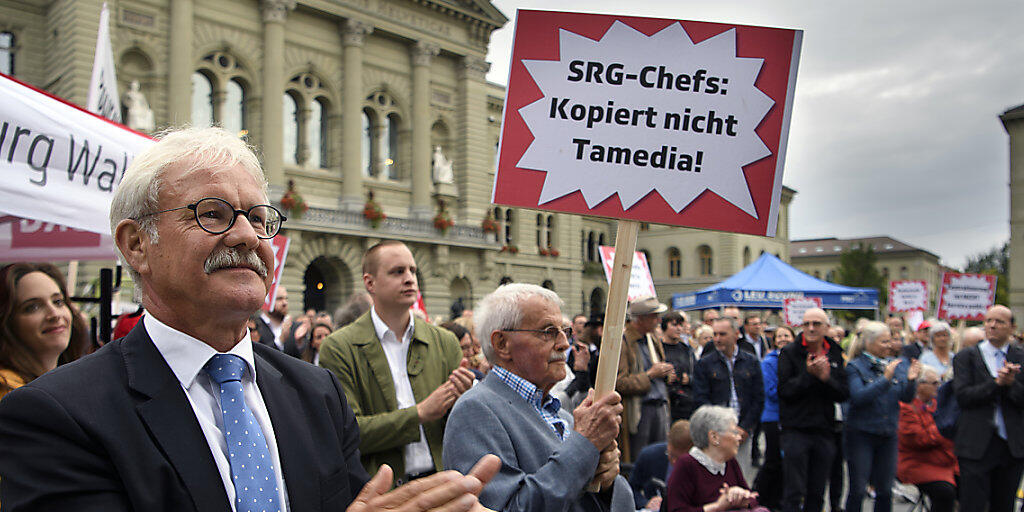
[(139, 115), (442, 167)]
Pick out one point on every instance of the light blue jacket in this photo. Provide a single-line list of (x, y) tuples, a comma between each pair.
[(538, 470)]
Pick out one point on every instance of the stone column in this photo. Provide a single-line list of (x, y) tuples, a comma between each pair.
[(472, 153), (274, 14), (353, 37), (422, 54), (1013, 123), (179, 63)]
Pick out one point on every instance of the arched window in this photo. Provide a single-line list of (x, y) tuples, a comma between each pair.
[(746, 256), (291, 129), (600, 239), (385, 139), (550, 231), (830, 276), (675, 262), (316, 129), (706, 260), (202, 100), (591, 247), (389, 146), (220, 93), (7, 49), (817, 274), (540, 231), (885, 273), (904, 273), (366, 146)]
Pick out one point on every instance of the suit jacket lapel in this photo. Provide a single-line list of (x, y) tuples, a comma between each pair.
[(373, 353), (168, 415), (292, 435)]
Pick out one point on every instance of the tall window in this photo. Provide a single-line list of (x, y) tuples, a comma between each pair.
[(509, 231), (746, 256), (591, 247), (704, 256), (202, 100), (290, 133), (904, 273), (220, 93), (307, 129), (234, 108), (540, 231), (7, 53), (549, 231), (382, 137), (675, 262), (366, 146)]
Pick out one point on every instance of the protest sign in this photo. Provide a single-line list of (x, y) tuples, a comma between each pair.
[(61, 163), (966, 296), (103, 98), (794, 309), (640, 282), (908, 295), (684, 122), (279, 244), (32, 240)]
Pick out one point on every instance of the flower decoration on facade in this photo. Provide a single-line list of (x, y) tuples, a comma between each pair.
[(489, 225), (442, 221), (293, 201), (372, 211), (548, 251), (511, 249)]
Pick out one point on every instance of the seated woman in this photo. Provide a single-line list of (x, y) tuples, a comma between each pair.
[(708, 478), (39, 328), (926, 457)]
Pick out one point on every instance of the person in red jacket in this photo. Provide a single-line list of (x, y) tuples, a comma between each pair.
[(926, 458)]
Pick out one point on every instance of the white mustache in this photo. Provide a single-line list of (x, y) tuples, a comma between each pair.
[(230, 257), (558, 356)]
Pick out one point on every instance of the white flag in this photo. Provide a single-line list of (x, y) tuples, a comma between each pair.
[(103, 98)]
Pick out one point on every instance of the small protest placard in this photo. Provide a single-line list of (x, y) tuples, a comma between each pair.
[(966, 296), (640, 282), (657, 120), (908, 295), (793, 309), (279, 244)]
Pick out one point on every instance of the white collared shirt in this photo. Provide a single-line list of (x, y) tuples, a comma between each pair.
[(417, 455), (186, 356)]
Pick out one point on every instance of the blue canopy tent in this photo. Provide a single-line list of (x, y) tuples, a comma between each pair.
[(766, 282)]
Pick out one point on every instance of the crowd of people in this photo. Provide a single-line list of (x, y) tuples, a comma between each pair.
[(208, 403)]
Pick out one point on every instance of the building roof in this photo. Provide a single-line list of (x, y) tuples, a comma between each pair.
[(1013, 113), (821, 247)]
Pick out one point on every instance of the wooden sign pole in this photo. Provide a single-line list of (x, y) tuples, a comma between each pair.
[(615, 309), (615, 312)]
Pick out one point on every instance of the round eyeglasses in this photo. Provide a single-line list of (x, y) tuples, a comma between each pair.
[(215, 216)]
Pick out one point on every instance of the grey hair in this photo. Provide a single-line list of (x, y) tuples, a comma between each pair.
[(937, 327), (927, 370), (702, 329), (735, 324), (501, 309), (710, 418), (200, 149), (868, 334)]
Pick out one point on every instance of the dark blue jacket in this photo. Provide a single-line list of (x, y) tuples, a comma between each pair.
[(874, 405), (650, 464), (711, 385), (769, 371)]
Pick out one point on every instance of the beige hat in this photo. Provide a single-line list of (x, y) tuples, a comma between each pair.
[(646, 306)]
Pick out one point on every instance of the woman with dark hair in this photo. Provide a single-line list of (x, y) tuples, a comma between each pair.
[(39, 328), (311, 353)]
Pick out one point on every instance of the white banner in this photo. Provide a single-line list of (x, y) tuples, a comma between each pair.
[(103, 98), (59, 163)]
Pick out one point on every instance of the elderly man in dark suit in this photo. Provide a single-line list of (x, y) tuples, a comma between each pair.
[(989, 441), (731, 377), (186, 413), (548, 456)]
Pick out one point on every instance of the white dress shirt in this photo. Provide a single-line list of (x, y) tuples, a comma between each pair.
[(417, 455), (186, 356)]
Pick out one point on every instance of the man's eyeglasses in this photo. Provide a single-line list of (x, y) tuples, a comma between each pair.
[(217, 216), (549, 334)]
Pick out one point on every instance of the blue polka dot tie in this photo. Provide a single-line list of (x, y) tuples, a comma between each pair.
[(252, 469)]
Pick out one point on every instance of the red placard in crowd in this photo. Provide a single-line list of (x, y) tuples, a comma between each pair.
[(966, 296), (656, 120), (280, 244)]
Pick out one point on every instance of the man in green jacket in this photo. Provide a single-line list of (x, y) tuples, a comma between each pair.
[(400, 374)]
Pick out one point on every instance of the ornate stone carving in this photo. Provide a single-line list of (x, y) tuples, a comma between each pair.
[(423, 52), (354, 32), (476, 67), (276, 10)]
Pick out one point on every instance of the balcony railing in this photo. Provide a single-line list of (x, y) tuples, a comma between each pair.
[(395, 226)]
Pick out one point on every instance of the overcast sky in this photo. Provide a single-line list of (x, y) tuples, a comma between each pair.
[(895, 126)]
